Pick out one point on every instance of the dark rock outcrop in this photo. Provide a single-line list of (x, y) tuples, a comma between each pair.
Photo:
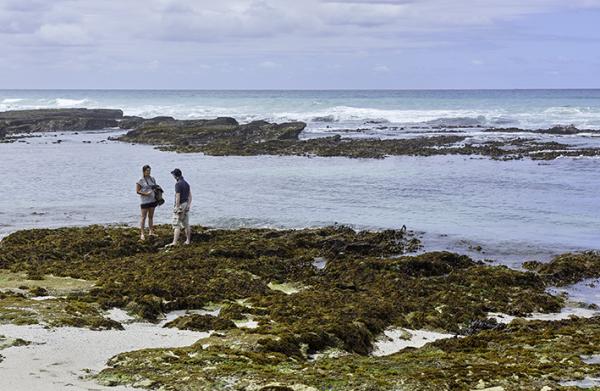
[(222, 130), (557, 130), (132, 122), (28, 121)]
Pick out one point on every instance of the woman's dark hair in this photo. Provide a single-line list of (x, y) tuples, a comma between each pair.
[(145, 168)]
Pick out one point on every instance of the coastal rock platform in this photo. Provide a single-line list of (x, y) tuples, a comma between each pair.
[(303, 309)]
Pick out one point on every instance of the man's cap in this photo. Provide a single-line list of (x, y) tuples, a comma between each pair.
[(176, 172)]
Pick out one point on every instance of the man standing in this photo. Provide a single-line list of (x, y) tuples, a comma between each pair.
[(183, 202)]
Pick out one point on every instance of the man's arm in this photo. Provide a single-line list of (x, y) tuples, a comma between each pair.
[(177, 198), (189, 205)]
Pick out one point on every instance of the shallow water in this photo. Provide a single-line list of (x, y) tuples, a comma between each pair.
[(587, 291), (515, 210)]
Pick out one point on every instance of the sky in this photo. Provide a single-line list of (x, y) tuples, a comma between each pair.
[(299, 44)]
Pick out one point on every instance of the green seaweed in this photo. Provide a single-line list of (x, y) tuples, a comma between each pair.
[(527, 355), (20, 310), (567, 269), (201, 323), (225, 137), (368, 285)]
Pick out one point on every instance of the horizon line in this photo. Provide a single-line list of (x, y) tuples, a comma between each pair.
[(300, 89)]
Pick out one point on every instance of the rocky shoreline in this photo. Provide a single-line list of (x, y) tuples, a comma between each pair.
[(51, 120), (224, 136), (303, 309)]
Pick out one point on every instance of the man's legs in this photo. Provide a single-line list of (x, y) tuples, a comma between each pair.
[(181, 220), (176, 233), (188, 230), (188, 234)]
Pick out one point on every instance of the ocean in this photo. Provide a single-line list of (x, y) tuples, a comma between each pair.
[(516, 210), (339, 108)]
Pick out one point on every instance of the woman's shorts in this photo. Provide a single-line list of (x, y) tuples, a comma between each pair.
[(149, 205)]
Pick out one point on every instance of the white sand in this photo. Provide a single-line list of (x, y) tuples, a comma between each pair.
[(57, 358), (392, 340)]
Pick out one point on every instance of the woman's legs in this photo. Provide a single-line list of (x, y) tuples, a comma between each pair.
[(143, 223), (151, 221)]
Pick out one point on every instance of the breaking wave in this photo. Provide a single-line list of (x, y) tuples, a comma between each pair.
[(333, 112), (64, 102), (11, 100)]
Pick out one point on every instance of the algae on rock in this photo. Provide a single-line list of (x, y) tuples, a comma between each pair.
[(524, 356), (567, 269)]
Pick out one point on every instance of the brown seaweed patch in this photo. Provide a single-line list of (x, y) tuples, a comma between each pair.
[(201, 323), (18, 309), (53, 285), (530, 355), (567, 269)]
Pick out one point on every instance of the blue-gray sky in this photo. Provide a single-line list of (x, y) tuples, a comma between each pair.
[(299, 44)]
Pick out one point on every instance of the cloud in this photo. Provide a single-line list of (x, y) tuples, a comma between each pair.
[(381, 69), (179, 34), (64, 34), (355, 22), (269, 65)]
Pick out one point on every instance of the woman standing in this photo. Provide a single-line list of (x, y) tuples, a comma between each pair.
[(145, 188)]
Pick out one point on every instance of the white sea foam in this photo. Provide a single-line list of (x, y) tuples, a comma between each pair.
[(333, 111), (11, 100), (64, 102)]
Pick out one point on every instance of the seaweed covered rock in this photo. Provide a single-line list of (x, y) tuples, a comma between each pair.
[(221, 265), (368, 285), (222, 130), (225, 137), (38, 291), (147, 307), (233, 311), (479, 325), (531, 355), (567, 269), (27, 121), (54, 312), (201, 323)]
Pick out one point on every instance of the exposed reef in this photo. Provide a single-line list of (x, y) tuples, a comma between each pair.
[(197, 322), (366, 285), (49, 120), (224, 136), (567, 269), (532, 355), (300, 309), (557, 130)]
